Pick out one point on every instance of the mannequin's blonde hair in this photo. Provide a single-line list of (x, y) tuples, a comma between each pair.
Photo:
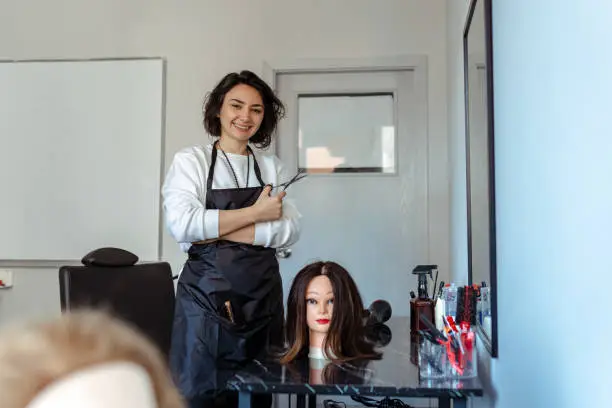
[(36, 354)]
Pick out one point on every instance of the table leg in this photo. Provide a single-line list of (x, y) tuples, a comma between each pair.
[(312, 400), (300, 400), (460, 403), (244, 399), (444, 402)]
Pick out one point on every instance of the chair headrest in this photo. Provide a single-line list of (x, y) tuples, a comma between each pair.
[(109, 257)]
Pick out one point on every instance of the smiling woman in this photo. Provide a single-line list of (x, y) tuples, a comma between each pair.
[(220, 208), (242, 107), (325, 316)]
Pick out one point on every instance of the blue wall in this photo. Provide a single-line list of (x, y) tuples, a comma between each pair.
[(553, 113)]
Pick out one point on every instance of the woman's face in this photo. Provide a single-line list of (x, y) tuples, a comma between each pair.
[(241, 113), (319, 304)]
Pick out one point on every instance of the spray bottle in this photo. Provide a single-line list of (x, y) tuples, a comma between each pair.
[(422, 304)]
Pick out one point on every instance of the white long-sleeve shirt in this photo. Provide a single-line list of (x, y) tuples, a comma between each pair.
[(184, 196)]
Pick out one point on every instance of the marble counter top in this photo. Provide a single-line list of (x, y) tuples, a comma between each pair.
[(393, 375)]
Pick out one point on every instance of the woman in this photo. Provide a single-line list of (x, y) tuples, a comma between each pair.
[(223, 205), (325, 316)]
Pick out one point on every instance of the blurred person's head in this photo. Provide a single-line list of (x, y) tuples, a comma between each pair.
[(82, 359)]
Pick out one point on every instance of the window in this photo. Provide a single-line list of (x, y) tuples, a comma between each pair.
[(346, 133)]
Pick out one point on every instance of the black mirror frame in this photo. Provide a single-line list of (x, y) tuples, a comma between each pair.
[(490, 343)]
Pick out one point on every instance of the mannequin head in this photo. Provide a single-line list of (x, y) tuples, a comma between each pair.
[(51, 363), (325, 291)]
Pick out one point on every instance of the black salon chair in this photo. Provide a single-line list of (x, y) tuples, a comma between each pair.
[(111, 280)]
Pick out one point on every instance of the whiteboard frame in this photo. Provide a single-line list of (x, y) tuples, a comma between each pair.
[(47, 263)]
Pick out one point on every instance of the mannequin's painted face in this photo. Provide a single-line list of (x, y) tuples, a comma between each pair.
[(319, 304)]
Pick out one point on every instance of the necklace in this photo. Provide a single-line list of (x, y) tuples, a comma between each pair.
[(232, 168)]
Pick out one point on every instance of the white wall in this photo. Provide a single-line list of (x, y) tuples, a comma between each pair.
[(553, 150), (204, 39)]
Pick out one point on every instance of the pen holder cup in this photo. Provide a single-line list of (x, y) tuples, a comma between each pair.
[(433, 360), (466, 362), (441, 361)]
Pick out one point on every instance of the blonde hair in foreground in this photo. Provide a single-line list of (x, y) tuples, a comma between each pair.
[(34, 355)]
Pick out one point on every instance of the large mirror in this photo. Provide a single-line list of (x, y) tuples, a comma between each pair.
[(477, 42)]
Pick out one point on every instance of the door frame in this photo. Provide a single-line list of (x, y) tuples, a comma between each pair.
[(416, 63)]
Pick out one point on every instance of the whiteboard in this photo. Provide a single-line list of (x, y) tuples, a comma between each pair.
[(81, 146)]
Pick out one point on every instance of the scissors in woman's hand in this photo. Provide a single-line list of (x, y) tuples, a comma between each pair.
[(300, 175)]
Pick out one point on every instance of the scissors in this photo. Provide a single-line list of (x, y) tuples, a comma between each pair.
[(299, 175)]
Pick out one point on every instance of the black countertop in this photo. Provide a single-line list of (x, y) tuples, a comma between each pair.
[(393, 375)]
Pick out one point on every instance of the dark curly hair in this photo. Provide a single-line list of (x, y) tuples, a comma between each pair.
[(274, 110)]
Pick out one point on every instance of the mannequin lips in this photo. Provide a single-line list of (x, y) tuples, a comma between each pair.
[(323, 321)]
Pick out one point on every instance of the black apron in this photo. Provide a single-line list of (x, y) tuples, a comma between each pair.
[(229, 302)]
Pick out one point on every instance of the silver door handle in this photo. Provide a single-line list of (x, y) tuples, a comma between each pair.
[(283, 252)]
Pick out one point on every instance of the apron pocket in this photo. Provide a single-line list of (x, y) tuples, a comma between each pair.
[(223, 343)]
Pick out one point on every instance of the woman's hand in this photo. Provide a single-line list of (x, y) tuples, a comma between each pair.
[(268, 207)]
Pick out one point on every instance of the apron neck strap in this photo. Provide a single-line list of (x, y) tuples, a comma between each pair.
[(213, 160), (256, 167)]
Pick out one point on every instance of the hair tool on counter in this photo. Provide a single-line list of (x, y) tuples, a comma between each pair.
[(375, 316), (432, 333), (439, 307), (379, 311), (439, 293), (466, 305), (378, 334), (433, 288)]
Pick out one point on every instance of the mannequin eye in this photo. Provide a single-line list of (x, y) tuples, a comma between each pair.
[(311, 301), (331, 301)]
